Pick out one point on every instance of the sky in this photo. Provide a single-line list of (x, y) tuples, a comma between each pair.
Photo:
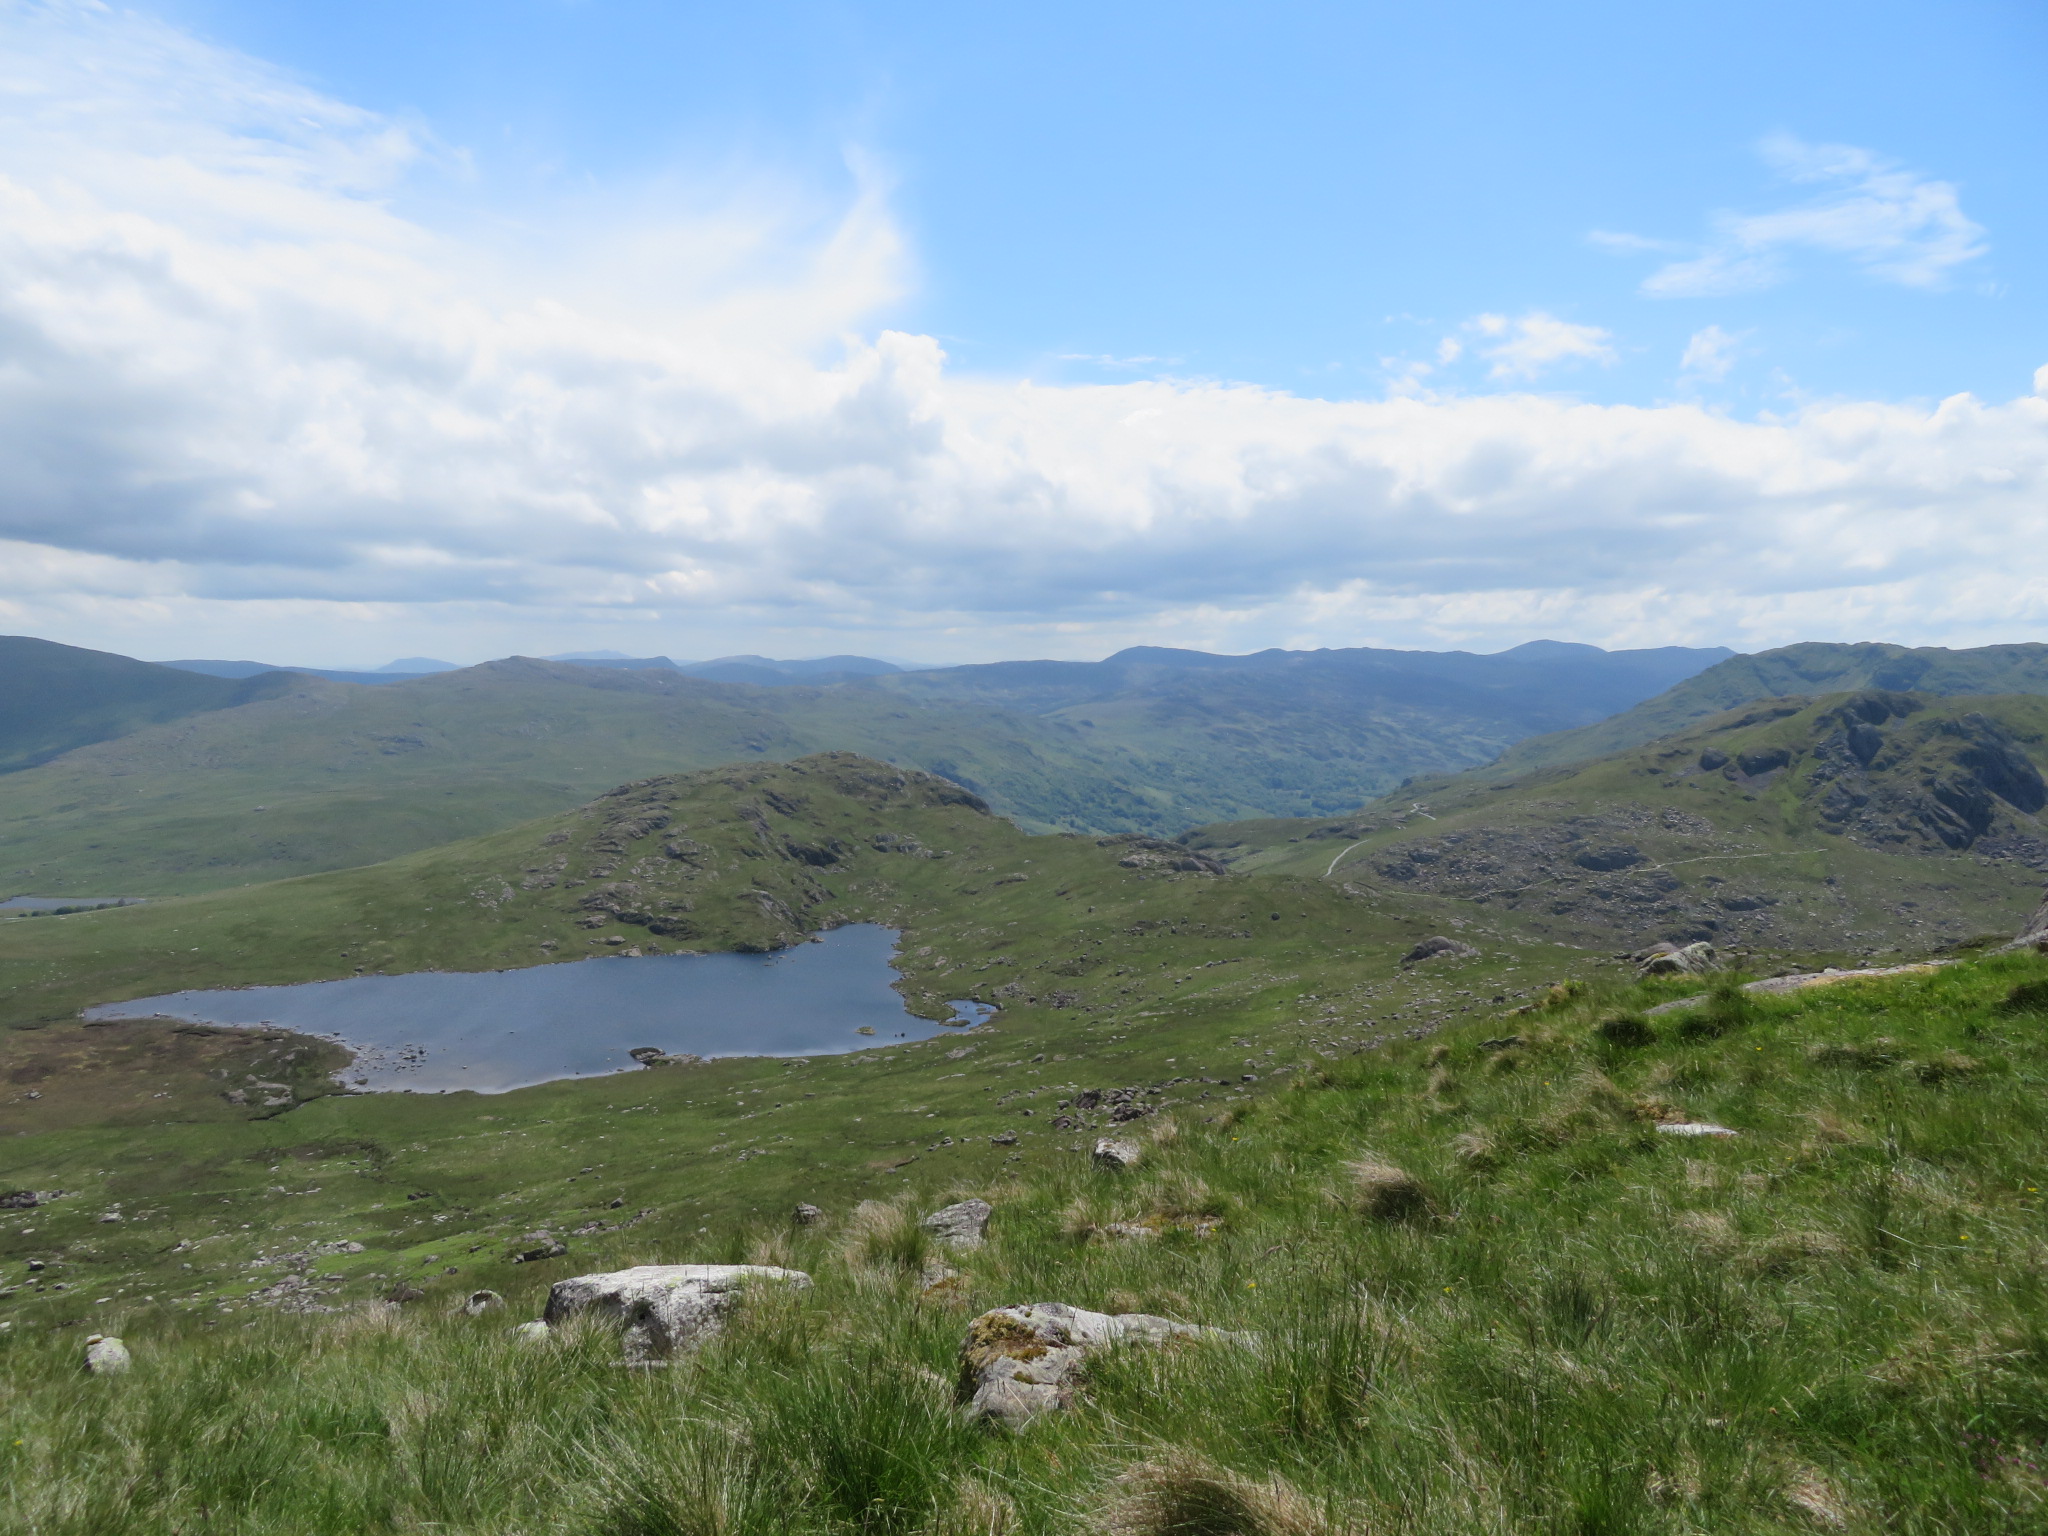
[(954, 333)]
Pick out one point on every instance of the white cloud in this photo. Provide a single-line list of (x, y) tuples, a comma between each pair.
[(1709, 354), (1898, 226), (1535, 343), (246, 407)]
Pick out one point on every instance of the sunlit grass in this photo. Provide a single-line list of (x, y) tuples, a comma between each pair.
[(1561, 1320)]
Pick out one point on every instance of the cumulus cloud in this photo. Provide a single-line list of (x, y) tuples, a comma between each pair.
[(1895, 224), (243, 395)]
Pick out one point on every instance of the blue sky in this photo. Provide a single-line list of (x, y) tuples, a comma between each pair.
[(1290, 194), (338, 333)]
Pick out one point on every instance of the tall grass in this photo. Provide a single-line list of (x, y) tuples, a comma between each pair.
[(1515, 1307)]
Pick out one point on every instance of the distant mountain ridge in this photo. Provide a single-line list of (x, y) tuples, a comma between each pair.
[(327, 775)]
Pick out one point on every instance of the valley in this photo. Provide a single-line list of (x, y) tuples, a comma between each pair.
[(1279, 1020), (317, 774)]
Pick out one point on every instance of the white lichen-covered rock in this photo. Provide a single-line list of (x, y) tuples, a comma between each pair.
[(1694, 1128), (962, 1225), (1019, 1362), (1111, 1153), (532, 1333), (477, 1303), (106, 1355), (1672, 960), (664, 1307)]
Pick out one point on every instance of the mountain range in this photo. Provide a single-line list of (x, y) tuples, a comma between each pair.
[(318, 774)]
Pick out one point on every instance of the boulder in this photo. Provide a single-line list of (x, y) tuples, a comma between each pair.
[(1113, 1154), (477, 1303), (806, 1215), (532, 1333), (536, 1246), (1019, 1362), (1672, 960), (106, 1355), (1435, 945), (961, 1225), (664, 1307)]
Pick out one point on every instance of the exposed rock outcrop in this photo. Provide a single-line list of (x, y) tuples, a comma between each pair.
[(1019, 1362), (1679, 960), (663, 1308)]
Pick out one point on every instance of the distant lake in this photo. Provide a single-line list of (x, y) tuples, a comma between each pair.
[(52, 903), (491, 1031)]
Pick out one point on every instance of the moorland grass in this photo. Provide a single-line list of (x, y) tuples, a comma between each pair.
[(1833, 1320)]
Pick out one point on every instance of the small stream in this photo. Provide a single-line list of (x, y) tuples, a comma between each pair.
[(492, 1031)]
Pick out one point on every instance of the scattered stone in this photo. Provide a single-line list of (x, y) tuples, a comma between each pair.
[(1433, 946), (1003, 1139), (938, 1277), (806, 1215), (1019, 1362), (1113, 1154), (106, 1355), (961, 1225), (402, 1293), (531, 1333), (28, 1199), (480, 1302), (536, 1246), (1695, 1128), (663, 1307)]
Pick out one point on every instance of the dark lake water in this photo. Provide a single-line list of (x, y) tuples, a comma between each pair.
[(52, 903), (496, 1030)]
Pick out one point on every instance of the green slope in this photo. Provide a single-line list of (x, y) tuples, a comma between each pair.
[(1529, 1310), (1813, 667), (1871, 821), (328, 776), (57, 697)]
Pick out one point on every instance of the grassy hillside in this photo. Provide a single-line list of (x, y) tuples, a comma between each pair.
[(1488, 1295), (1867, 821), (1810, 668), (57, 697), (327, 776), (1112, 969)]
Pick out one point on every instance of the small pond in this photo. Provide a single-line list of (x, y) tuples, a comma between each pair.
[(492, 1031)]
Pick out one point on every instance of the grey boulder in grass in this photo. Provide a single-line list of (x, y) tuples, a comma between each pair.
[(664, 1308), (961, 1225), (1019, 1362), (107, 1356), (1113, 1154)]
